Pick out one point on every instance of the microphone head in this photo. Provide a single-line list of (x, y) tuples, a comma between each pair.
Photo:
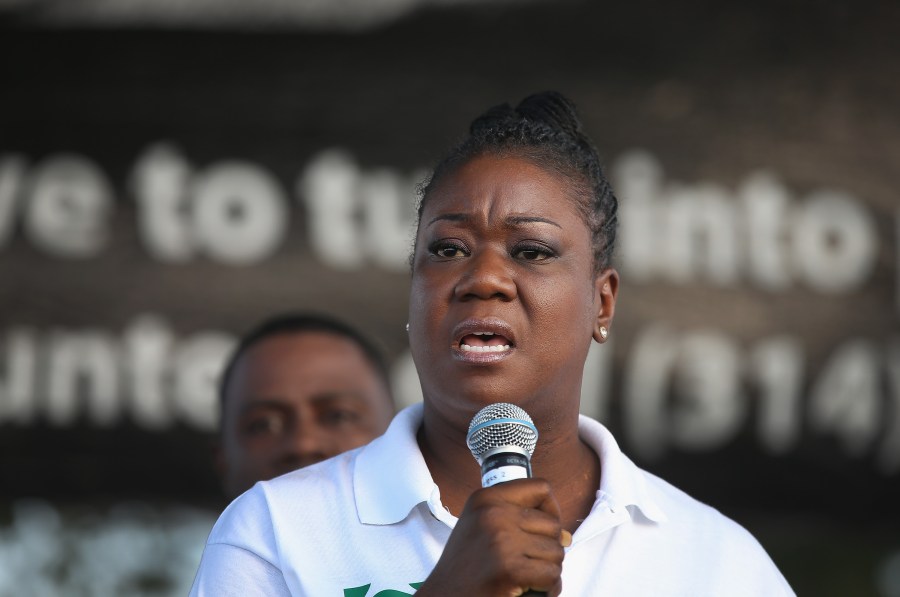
[(501, 427)]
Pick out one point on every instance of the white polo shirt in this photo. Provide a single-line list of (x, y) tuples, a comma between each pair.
[(371, 520)]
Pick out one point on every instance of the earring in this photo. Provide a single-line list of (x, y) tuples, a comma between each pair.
[(604, 332), (407, 328)]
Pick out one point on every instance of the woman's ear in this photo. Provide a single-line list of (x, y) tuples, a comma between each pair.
[(606, 288)]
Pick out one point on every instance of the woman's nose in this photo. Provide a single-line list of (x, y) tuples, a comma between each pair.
[(487, 276)]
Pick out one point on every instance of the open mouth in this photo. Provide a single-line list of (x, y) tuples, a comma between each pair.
[(484, 342)]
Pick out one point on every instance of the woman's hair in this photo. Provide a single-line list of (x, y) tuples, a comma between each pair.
[(544, 129)]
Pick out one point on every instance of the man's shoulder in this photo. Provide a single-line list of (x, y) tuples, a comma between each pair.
[(301, 497)]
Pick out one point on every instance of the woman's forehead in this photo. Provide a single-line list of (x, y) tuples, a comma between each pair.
[(500, 185)]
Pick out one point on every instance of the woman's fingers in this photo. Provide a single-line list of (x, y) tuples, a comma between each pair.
[(508, 539)]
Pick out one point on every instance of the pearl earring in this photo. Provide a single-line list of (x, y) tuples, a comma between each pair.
[(407, 328)]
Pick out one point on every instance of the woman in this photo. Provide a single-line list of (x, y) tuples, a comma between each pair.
[(511, 281)]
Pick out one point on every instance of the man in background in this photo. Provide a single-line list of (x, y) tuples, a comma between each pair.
[(298, 389)]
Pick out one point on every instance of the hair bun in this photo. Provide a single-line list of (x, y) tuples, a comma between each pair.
[(553, 109)]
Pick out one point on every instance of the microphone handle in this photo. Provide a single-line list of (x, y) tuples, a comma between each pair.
[(503, 467)]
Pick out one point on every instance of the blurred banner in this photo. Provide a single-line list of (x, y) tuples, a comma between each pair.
[(169, 179)]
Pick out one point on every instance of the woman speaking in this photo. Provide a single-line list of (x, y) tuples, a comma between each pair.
[(511, 281)]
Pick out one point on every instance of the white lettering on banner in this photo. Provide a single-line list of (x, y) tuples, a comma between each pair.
[(835, 242), (765, 202), (638, 176), (149, 375), (700, 371), (147, 344), (709, 407), (82, 366), (845, 400), (681, 390), (67, 203), (701, 235), (197, 363), (159, 183), (17, 389), (234, 212), (327, 188), (357, 217), (645, 388), (683, 233), (240, 212), (889, 455), (389, 216), (777, 366), (12, 173)]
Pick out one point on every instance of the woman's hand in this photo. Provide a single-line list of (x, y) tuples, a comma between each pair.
[(508, 540)]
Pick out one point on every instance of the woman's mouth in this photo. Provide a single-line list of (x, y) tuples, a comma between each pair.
[(483, 340)]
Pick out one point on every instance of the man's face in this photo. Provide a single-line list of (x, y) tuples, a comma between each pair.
[(296, 398)]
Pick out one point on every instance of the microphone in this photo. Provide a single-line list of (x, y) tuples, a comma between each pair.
[(502, 438)]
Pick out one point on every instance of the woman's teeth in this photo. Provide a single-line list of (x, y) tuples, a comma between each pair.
[(499, 348), (486, 347)]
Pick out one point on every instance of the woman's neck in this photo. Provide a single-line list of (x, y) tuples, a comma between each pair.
[(457, 475)]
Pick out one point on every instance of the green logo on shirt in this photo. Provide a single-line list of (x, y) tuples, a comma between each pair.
[(363, 590)]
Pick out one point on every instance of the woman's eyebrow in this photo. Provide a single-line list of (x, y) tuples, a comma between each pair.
[(519, 220), (451, 218), (510, 221)]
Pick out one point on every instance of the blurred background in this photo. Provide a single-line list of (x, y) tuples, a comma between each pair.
[(172, 172)]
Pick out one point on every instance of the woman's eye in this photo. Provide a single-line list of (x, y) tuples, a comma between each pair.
[(448, 251), (533, 253)]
